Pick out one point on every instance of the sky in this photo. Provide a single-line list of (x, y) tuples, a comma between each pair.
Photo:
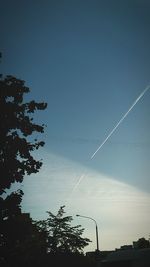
[(89, 60)]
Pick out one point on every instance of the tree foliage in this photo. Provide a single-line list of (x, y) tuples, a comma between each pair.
[(141, 243), (61, 236), (19, 237), (16, 124)]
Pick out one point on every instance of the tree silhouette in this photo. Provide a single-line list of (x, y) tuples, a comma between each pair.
[(16, 125), (141, 243), (61, 236), (20, 240)]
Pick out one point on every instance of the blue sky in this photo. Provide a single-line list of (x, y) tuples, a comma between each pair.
[(89, 60)]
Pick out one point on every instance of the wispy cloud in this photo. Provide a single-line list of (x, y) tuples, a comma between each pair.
[(120, 210)]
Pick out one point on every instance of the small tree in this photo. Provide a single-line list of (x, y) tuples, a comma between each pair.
[(16, 124), (141, 243), (61, 236)]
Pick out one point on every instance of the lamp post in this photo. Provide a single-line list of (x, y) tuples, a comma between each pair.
[(97, 243)]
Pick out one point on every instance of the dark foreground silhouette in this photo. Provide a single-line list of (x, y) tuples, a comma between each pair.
[(52, 260)]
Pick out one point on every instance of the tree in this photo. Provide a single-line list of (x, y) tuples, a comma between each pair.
[(20, 240), (141, 243), (61, 236), (16, 125)]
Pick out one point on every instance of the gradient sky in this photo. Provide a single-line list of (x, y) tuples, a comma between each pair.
[(89, 60)]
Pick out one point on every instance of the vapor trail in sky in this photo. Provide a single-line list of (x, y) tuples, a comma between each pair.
[(113, 130), (121, 120), (76, 185)]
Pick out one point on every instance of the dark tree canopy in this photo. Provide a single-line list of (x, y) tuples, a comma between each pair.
[(16, 124), (61, 236), (142, 243), (19, 238)]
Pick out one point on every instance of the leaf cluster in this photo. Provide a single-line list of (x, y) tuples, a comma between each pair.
[(19, 237), (61, 235), (16, 124)]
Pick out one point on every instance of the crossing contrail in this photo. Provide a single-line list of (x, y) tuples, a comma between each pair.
[(78, 182), (120, 121), (76, 185)]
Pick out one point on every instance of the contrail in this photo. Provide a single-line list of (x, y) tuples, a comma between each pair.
[(78, 182), (120, 121), (75, 186), (109, 135)]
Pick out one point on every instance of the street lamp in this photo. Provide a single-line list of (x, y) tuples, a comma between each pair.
[(96, 228)]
